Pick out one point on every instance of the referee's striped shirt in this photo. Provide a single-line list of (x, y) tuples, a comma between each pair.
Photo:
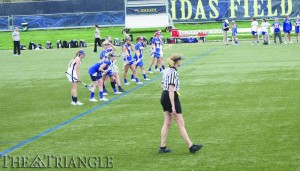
[(170, 77)]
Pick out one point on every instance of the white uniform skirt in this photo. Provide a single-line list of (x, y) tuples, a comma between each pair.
[(72, 75)]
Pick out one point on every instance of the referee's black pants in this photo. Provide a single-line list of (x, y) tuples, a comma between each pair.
[(17, 47), (97, 43)]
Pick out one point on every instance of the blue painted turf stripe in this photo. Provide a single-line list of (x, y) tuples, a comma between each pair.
[(93, 109)]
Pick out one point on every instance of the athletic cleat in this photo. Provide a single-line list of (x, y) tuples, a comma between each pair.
[(117, 92), (121, 90), (252, 44), (127, 83), (150, 72), (105, 94), (164, 150), (139, 83), (79, 103), (133, 79), (285, 43), (93, 100), (195, 148), (146, 79), (291, 42), (104, 99)]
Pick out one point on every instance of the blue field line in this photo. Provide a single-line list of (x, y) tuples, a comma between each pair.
[(94, 108)]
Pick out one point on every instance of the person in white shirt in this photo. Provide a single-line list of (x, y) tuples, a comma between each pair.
[(97, 38), (264, 31), (16, 39), (254, 31)]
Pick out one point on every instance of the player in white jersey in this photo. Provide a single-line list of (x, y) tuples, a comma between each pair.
[(73, 75), (254, 31), (264, 31)]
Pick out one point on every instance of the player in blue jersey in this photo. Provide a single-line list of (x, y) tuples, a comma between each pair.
[(128, 60), (277, 32), (161, 38), (234, 33), (287, 28), (111, 59), (73, 75), (155, 51), (107, 47), (297, 27), (96, 72), (138, 56), (161, 52)]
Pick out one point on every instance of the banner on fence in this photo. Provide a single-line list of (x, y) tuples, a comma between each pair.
[(71, 20), (216, 10), (146, 10)]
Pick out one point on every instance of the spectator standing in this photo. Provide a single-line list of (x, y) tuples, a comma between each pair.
[(97, 38), (225, 28), (264, 31), (277, 33), (16, 39), (234, 33), (287, 28), (297, 28), (254, 31)]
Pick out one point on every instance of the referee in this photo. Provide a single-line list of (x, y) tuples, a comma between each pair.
[(171, 105)]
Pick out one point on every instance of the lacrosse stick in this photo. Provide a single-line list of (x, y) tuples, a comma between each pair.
[(88, 87)]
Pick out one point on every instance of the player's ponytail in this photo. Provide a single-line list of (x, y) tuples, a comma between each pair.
[(171, 63), (76, 55)]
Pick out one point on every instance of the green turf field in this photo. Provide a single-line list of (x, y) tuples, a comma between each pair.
[(241, 102)]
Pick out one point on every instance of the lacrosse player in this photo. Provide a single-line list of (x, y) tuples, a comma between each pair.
[(110, 61), (128, 61), (96, 72), (73, 75), (138, 56), (155, 51), (107, 48)]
